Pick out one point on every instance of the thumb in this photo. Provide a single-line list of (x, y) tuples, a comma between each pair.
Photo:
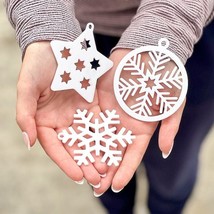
[(25, 114)]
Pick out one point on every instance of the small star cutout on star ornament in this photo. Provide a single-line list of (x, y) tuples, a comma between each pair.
[(79, 64), (85, 44), (95, 64), (65, 53), (85, 83), (65, 77)]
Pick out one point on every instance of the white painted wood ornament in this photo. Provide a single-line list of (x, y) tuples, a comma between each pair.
[(99, 138), (79, 64), (150, 82)]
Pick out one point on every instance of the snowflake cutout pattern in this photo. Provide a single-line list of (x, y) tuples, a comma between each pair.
[(144, 86), (98, 137), (79, 62)]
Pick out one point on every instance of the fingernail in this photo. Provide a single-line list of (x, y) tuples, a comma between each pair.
[(97, 195), (26, 140), (103, 175), (95, 186), (116, 191), (80, 182), (164, 155)]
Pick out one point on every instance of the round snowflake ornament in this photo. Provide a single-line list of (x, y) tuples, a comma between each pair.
[(150, 82)]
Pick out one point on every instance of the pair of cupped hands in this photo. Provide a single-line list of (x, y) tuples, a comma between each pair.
[(43, 113)]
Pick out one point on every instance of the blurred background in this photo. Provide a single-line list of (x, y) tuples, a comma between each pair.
[(31, 183)]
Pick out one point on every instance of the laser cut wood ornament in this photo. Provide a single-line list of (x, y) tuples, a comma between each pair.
[(79, 64), (143, 85), (102, 141)]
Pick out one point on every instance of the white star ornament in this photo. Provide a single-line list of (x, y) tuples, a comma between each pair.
[(79, 64)]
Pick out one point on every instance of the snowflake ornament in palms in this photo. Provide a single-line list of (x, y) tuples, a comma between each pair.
[(99, 138), (149, 89)]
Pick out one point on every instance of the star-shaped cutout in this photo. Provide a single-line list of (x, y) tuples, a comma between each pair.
[(79, 65), (65, 77), (65, 53), (95, 64), (85, 44), (85, 83), (150, 83)]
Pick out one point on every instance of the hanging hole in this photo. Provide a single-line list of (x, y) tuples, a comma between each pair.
[(163, 42), (60, 136), (90, 26)]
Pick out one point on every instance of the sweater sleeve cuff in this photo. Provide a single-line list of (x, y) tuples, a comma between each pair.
[(181, 24), (37, 20)]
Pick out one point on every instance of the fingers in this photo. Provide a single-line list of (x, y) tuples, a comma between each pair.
[(25, 114), (106, 181), (131, 160), (56, 151), (168, 130), (89, 171), (118, 177)]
